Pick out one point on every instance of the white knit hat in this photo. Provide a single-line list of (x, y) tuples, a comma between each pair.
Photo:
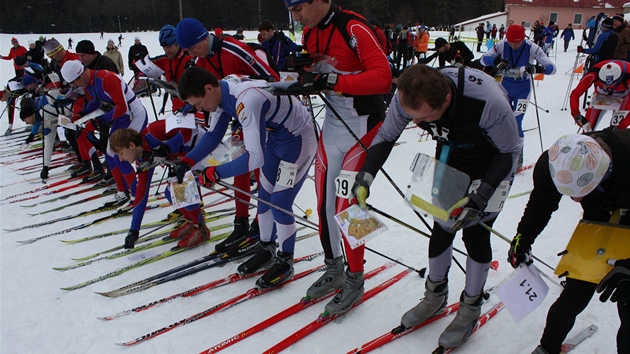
[(577, 164), (71, 70)]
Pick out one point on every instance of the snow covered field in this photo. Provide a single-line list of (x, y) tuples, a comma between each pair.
[(37, 316)]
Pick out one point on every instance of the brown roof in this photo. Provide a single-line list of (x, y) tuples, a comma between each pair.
[(569, 3)]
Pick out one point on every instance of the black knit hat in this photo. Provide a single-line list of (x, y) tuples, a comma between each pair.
[(85, 47), (27, 107)]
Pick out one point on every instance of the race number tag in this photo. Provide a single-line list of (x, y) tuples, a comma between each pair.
[(287, 173), (523, 293), (617, 117), (344, 183), (521, 106), (495, 204)]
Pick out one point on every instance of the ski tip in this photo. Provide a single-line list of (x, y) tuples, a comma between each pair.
[(324, 316), (61, 269), (106, 318), (398, 329), (25, 242), (105, 293)]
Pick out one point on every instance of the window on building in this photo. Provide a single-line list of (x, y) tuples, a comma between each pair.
[(553, 17), (577, 19)]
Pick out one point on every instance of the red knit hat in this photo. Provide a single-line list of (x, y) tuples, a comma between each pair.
[(515, 33)]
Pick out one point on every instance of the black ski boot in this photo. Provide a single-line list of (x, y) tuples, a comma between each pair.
[(280, 271), (241, 228), (264, 257)]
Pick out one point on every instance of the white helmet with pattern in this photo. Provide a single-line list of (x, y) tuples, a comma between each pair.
[(577, 164)]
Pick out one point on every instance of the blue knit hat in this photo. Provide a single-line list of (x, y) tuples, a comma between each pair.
[(27, 80), (290, 3), (190, 32), (168, 35)]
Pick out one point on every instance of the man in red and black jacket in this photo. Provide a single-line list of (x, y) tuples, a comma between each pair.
[(355, 83)]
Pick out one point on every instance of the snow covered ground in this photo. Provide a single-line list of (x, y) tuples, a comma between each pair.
[(37, 316)]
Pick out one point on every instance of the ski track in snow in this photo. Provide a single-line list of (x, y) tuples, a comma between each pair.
[(37, 316)]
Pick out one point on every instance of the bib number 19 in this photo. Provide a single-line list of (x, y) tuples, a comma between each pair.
[(344, 183)]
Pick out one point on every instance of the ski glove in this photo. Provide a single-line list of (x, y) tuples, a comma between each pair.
[(534, 68), (29, 138), (467, 209), (181, 168), (616, 283), (580, 49), (209, 177), (503, 65), (361, 189), (161, 152), (520, 251), (311, 83), (580, 120), (130, 240), (44, 173)]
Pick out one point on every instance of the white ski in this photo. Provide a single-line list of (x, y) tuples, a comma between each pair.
[(578, 338)]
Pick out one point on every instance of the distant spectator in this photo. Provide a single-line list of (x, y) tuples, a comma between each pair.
[(136, 52), (276, 43), (239, 35), (623, 33), (567, 35), (112, 53)]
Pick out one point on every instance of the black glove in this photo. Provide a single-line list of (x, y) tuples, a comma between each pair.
[(29, 138), (180, 170), (534, 68), (459, 59), (44, 173), (130, 240), (616, 283), (520, 251), (161, 152), (467, 209), (503, 65), (309, 83), (580, 120), (361, 188), (580, 49)]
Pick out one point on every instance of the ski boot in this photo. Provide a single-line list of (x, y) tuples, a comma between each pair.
[(198, 235), (280, 271), (182, 231), (350, 294), (120, 198), (435, 297), (459, 330), (264, 257), (241, 229), (332, 279)]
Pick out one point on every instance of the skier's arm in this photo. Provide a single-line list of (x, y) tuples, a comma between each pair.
[(581, 88), (141, 199), (211, 139)]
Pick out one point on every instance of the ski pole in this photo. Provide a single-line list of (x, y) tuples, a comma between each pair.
[(485, 226), (402, 223), (566, 97), (542, 149), (389, 179), (537, 106)]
